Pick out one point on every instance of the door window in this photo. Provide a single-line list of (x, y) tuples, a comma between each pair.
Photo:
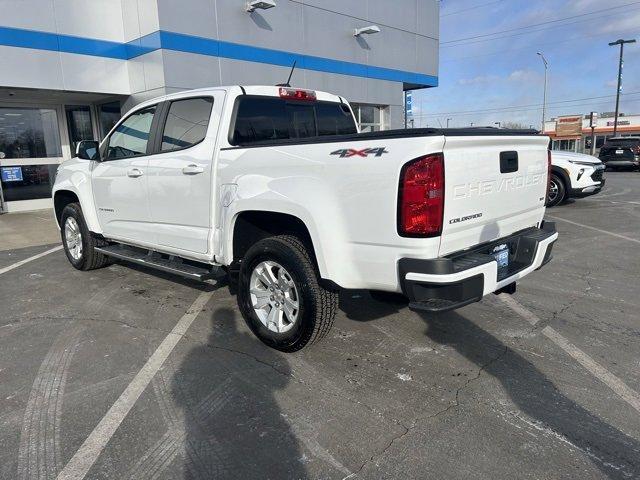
[(186, 123), (131, 137), (108, 116)]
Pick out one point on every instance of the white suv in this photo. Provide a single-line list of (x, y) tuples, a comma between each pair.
[(574, 175)]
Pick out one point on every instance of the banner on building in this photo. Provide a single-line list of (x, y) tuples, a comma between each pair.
[(409, 103), (569, 126)]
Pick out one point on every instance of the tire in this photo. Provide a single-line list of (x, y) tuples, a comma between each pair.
[(316, 306), (86, 258), (560, 191)]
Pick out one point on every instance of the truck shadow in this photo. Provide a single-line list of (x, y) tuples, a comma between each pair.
[(616, 454), (359, 306), (233, 425)]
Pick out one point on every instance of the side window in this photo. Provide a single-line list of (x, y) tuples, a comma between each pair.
[(130, 138), (335, 119), (186, 124)]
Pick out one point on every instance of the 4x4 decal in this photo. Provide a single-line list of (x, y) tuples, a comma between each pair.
[(365, 152)]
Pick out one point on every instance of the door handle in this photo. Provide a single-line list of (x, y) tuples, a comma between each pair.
[(134, 173), (192, 169)]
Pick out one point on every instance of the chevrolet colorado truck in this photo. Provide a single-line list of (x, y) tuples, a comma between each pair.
[(276, 186)]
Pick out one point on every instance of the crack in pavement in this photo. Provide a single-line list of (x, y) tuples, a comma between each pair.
[(414, 424)]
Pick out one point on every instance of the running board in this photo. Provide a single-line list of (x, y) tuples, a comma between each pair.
[(158, 261)]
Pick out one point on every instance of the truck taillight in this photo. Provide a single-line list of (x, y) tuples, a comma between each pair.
[(297, 94), (548, 172), (421, 197)]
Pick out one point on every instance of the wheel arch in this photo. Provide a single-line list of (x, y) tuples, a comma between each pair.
[(251, 226), (560, 172), (61, 199)]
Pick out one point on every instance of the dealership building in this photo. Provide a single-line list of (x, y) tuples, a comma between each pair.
[(70, 68)]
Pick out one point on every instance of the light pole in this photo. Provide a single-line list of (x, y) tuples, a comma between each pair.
[(498, 123), (620, 42), (544, 100), (448, 120)]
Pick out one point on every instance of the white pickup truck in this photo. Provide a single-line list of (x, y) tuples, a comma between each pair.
[(276, 186)]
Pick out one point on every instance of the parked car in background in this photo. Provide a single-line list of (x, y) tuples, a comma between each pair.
[(621, 152), (574, 175)]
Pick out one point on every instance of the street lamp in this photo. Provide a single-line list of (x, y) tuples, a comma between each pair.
[(448, 120), (254, 5), (621, 43), (498, 123), (368, 30), (544, 100)]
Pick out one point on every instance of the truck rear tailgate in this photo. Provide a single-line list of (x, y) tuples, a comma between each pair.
[(494, 186)]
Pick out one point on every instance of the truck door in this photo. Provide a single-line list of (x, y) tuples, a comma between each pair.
[(120, 179), (181, 172)]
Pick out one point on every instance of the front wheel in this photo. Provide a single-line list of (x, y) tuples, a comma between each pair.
[(78, 242), (280, 296), (557, 191)]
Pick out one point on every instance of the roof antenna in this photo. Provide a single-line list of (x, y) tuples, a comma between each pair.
[(288, 84)]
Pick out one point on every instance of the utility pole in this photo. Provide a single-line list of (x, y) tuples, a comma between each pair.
[(405, 109), (620, 42), (593, 122), (544, 98)]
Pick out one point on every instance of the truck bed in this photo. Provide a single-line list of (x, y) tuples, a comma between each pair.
[(398, 133)]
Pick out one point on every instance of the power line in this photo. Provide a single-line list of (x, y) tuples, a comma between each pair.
[(524, 107), (519, 34), (548, 22), (535, 47), (471, 8)]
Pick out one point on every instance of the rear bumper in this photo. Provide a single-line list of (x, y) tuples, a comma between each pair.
[(628, 163), (451, 282)]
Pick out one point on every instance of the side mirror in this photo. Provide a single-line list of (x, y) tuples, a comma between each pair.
[(88, 150)]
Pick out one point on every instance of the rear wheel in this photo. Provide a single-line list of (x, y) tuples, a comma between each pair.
[(78, 242), (557, 191), (280, 296)]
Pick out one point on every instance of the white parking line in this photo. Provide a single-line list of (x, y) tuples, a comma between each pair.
[(30, 259), (98, 439), (614, 383), (629, 239)]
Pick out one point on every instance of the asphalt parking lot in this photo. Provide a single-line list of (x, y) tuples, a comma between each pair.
[(118, 373)]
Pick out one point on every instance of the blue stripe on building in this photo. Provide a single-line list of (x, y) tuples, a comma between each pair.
[(17, 37)]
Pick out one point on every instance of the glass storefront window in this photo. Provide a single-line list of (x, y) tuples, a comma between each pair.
[(27, 182), (369, 117), (29, 133)]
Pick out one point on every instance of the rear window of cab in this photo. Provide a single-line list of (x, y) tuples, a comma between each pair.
[(268, 119)]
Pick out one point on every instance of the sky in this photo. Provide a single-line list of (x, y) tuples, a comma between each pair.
[(498, 77)]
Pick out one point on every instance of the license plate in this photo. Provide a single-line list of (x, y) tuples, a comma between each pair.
[(619, 152), (501, 254)]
